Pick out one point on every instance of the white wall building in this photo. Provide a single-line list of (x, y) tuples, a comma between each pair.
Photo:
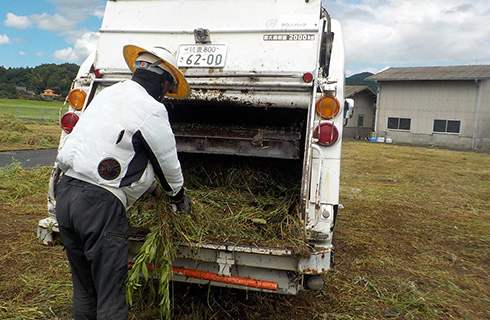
[(361, 125), (440, 106)]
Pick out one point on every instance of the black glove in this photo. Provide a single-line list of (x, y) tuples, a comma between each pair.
[(182, 205)]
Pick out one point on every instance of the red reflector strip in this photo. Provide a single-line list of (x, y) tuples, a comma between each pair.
[(197, 274)]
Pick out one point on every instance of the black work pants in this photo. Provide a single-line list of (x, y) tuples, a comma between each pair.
[(88, 218)]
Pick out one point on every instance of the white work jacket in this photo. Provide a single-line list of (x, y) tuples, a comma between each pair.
[(121, 141)]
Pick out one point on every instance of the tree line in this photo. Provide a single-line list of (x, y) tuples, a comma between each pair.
[(46, 76)]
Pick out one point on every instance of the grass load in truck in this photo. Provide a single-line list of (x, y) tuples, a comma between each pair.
[(259, 138)]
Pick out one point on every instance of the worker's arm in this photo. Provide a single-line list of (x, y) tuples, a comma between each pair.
[(158, 140), (163, 157)]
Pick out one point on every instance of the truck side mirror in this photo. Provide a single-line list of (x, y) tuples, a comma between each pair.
[(348, 108)]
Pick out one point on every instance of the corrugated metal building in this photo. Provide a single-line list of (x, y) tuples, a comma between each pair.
[(441, 106), (361, 124)]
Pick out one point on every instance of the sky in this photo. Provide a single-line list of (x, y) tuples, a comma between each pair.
[(35, 32), (377, 33)]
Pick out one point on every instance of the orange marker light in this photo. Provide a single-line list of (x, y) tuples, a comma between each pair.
[(76, 99), (327, 107)]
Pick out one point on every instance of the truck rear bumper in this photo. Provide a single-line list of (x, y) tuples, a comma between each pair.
[(274, 270)]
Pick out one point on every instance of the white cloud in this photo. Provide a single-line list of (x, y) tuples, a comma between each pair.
[(99, 12), (84, 8), (22, 53), (70, 13), (416, 32), (19, 22), (54, 23), (4, 39), (83, 46)]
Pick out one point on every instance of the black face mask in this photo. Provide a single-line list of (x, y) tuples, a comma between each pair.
[(152, 82)]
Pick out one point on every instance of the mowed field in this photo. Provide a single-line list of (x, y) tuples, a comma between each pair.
[(412, 242), (19, 135), (32, 109), (30, 103)]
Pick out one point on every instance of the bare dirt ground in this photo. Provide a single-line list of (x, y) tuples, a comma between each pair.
[(412, 243)]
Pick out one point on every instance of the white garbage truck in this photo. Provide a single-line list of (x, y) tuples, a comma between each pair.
[(267, 81)]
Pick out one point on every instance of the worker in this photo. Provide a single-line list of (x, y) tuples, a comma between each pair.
[(109, 160)]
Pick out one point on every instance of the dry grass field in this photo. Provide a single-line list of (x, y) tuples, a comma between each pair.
[(17, 135), (413, 242)]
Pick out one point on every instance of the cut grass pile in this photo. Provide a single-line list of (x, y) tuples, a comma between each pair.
[(238, 201), (16, 134), (412, 243)]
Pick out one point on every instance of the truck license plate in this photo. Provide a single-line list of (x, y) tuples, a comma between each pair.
[(202, 56)]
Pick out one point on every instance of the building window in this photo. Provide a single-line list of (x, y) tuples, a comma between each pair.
[(446, 126), (360, 120), (399, 123)]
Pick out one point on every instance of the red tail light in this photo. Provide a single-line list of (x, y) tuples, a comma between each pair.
[(99, 73), (307, 77), (68, 121), (326, 133)]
